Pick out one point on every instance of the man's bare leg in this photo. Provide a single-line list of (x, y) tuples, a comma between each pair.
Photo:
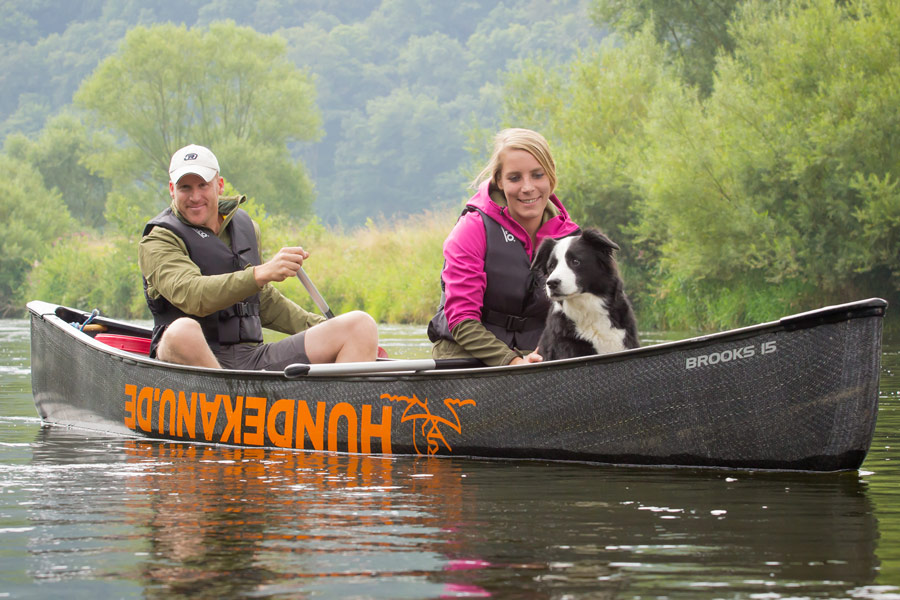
[(183, 343), (351, 337)]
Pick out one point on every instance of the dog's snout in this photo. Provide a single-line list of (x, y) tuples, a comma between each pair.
[(552, 284)]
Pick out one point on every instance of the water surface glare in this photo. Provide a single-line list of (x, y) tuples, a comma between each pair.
[(92, 516)]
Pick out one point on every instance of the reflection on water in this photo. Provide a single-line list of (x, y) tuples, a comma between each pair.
[(87, 516), (178, 520)]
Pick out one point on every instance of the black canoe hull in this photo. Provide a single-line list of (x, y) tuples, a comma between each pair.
[(800, 393)]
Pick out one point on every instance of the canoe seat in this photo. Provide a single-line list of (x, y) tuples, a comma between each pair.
[(138, 345)]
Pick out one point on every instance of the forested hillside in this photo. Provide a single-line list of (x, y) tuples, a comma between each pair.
[(399, 83)]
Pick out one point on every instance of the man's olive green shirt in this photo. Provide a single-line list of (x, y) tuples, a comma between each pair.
[(170, 272)]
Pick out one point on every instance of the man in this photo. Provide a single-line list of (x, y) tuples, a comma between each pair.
[(209, 291)]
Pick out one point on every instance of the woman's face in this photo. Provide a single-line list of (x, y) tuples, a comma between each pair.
[(526, 187)]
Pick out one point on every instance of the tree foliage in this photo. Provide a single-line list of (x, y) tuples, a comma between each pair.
[(227, 87), (58, 155), (381, 150), (695, 32), (38, 78), (789, 169), (29, 20), (31, 219), (593, 112)]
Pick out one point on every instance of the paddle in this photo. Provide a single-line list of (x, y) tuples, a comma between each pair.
[(320, 302), (314, 293), (298, 370)]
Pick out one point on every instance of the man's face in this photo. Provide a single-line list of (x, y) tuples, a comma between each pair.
[(198, 200)]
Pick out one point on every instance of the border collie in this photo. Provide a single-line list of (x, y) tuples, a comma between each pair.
[(589, 313)]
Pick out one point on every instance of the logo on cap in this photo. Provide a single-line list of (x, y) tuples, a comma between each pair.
[(191, 156)]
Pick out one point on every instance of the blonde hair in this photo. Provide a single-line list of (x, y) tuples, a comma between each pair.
[(518, 139)]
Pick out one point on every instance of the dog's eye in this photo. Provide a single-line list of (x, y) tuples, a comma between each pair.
[(575, 262)]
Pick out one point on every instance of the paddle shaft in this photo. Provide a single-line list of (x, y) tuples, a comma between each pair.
[(323, 306), (297, 370), (314, 293)]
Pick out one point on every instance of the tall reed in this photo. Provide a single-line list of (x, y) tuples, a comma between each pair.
[(390, 269)]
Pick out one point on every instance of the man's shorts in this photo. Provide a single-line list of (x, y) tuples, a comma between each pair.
[(264, 357)]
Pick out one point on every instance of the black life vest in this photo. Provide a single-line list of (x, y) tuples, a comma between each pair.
[(515, 304), (237, 323)]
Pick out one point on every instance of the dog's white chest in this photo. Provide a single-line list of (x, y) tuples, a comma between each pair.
[(592, 323)]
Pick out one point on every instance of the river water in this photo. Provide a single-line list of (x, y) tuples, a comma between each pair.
[(89, 516)]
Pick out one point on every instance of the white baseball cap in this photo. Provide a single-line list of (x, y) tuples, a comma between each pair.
[(195, 159)]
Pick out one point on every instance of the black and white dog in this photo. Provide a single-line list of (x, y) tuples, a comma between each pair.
[(589, 313)]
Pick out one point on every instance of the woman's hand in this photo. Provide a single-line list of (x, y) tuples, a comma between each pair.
[(534, 357)]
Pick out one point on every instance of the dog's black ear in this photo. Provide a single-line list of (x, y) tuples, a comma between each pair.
[(599, 241), (542, 255)]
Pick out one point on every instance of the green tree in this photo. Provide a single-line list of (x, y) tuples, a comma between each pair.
[(592, 111), (28, 116), (31, 218), (436, 64), (405, 142), (15, 22), (694, 31), (787, 174), (29, 20), (227, 87), (58, 155), (36, 80)]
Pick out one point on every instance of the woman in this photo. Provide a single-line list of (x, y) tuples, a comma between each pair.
[(492, 307)]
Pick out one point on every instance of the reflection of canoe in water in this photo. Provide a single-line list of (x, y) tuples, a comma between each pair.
[(798, 393), (204, 512)]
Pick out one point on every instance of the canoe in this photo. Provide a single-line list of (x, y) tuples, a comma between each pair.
[(799, 393)]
